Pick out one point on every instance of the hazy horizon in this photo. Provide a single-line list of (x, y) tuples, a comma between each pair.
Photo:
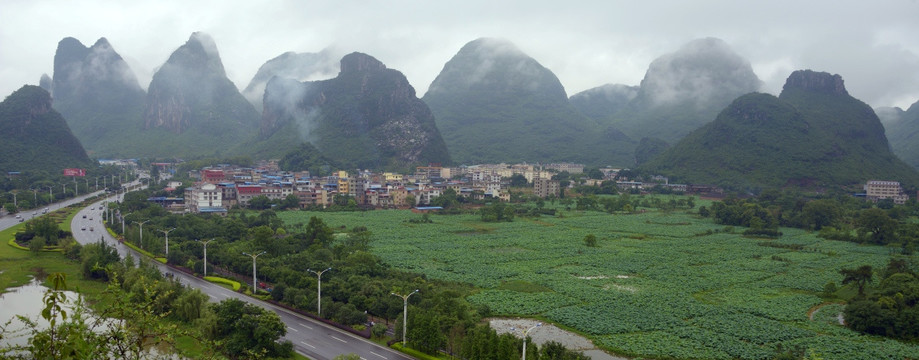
[(586, 44)]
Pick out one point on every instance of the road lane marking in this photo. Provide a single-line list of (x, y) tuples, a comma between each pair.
[(338, 339), (304, 343), (377, 354), (222, 294), (304, 325), (293, 329)]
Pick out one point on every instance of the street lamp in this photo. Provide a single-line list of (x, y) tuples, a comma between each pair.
[(254, 288), (167, 240), (51, 194), (205, 253), (405, 312), (122, 221), (319, 295), (14, 199), (141, 231), (525, 333)]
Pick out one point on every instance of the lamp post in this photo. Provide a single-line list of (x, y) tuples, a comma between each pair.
[(167, 240), (141, 232), (254, 288), (405, 312), (525, 333), (51, 194), (205, 253), (122, 221), (14, 199), (319, 295)]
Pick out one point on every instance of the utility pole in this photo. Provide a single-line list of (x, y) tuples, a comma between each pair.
[(405, 313), (254, 287)]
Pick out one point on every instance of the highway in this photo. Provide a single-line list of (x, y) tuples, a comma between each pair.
[(309, 337)]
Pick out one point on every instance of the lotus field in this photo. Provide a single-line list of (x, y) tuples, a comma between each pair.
[(659, 285)]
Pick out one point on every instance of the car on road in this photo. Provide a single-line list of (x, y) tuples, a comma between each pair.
[(90, 228), (21, 219), (83, 228), (18, 216), (84, 216)]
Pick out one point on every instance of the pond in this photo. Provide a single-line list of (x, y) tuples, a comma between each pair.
[(25, 301)]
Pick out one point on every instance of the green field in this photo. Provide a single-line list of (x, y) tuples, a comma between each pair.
[(657, 285)]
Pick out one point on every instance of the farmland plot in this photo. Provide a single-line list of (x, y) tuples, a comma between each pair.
[(656, 285)]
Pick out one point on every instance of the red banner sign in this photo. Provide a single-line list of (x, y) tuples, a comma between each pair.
[(74, 172)]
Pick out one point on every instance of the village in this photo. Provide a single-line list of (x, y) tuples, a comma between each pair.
[(219, 188)]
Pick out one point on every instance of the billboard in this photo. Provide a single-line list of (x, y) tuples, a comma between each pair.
[(74, 172)]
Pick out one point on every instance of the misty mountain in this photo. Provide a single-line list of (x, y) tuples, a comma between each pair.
[(192, 107), (291, 65), (45, 82), (902, 129), (493, 103), (34, 136), (600, 102), (366, 117), (814, 133), (97, 92), (685, 90)]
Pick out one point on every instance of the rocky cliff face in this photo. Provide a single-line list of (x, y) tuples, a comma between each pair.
[(96, 91), (809, 80), (191, 90), (368, 116), (35, 136)]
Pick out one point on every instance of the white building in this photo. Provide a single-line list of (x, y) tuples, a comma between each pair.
[(878, 190)]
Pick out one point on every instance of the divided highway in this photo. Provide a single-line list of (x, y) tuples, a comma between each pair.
[(309, 337)]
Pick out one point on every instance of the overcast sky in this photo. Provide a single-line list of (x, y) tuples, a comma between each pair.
[(874, 45)]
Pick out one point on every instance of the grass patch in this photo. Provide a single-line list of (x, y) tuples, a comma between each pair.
[(523, 286), (144, 252), (416, 354), (232, 284)]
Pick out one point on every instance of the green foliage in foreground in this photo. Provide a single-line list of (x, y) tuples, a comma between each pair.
[(666, 285)]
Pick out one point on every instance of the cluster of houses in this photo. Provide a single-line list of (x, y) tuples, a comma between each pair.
[(223, 187)]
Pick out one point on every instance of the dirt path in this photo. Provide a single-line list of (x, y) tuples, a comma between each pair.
[(549, 332)]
